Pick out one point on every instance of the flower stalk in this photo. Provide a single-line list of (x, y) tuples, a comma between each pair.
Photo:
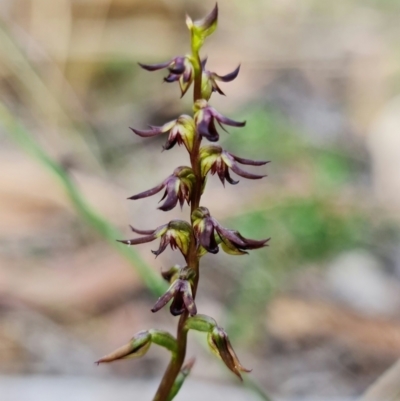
[(204, 234)]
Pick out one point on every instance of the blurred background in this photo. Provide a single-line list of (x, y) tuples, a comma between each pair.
[(316, 314)]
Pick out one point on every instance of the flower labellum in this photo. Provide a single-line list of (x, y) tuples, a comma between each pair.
[(178, 187), (205, 117), (176, 233)]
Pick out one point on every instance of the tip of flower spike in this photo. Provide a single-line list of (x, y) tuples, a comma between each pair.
[(189, 22), (211, 19)]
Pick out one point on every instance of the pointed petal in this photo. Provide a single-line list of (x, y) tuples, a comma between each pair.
[(227, 121), (149, 192), (255, 244), (147, 133), (189, 301), (231, 235), (216, 88), (248, 161), (236, 169), (164, 299), (235, 358), (209, 20), (142, 232), (228, 77), (221, 174), (137, 241), (154, 67), (229, 178), (163, 245), (203, 63)]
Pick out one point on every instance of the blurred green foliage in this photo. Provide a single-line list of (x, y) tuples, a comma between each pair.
[(307, 226)]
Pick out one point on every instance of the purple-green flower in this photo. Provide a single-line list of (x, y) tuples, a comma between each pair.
[(178, 187), (216, 160), (205, 118), (177, 234), (209, 81), (180, 69), (209, 234), (180, 131), (180, 291)]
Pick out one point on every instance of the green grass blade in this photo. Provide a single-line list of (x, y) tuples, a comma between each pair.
[(20, 135)]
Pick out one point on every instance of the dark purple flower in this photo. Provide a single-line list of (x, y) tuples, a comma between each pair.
[(177, 234), (181, 293), (209, 81), (216, 160), (181, 279), (178, 187), (205, 117), (180, 69), (209, 234), (181, 131)]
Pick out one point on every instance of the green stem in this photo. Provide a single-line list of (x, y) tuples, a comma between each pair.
[(192, 259)]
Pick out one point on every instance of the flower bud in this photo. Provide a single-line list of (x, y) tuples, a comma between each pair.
[(202, 28), (137, 347), (177, 234), (140, 344), (220, 345), (205, 117), (181, 131), (178, 187), (215, 159)]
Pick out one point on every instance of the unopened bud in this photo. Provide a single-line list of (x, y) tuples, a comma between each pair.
[(220, 345), (202, 28), (137, 347)]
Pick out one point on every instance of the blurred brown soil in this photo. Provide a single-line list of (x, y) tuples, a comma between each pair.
[(304, 321)]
